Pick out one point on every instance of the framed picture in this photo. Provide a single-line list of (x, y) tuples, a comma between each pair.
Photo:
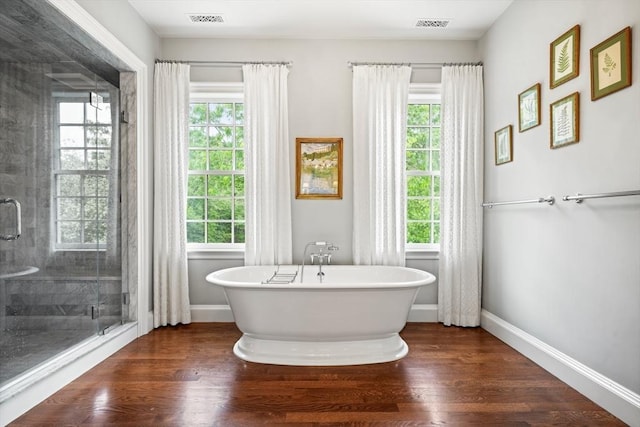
[(611, 65), (529, 108), (565, 121), (565, 57), (504, 145), (318, 168)]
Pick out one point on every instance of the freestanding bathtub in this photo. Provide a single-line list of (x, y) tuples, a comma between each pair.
[(353, 317)]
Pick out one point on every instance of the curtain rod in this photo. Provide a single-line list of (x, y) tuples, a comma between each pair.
[(425, 65), (225, 63)]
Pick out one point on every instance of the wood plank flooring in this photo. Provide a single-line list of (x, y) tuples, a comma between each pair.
[(188, 376)]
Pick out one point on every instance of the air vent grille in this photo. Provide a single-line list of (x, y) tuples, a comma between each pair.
[(432, 23), (207, 18)]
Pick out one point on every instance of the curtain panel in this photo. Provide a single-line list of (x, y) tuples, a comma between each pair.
[(268, 236), (460, 272), (171, 135), (380, 100)]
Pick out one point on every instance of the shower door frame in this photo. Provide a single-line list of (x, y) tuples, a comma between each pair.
[(143, 165)]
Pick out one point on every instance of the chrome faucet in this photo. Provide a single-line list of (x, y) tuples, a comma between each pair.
[(320, 255)]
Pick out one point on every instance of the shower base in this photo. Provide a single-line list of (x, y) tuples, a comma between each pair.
[(26, 349)]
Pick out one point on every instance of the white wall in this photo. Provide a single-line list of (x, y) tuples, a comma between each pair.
[(123, 21), (567, 274), (319, 106)]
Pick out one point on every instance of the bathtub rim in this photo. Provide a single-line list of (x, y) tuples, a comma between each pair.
[(427, 279)]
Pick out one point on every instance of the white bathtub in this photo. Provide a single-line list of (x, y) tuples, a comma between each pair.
[(352, 318)]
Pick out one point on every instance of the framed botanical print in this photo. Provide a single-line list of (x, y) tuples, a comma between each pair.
[(565, 121), (611, 65), (565, 57), (504, 145), (529, 108)]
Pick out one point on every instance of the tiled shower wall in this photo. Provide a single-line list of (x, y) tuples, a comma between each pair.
[(25, 120), (60, 303), (26, 117), (61, 294)]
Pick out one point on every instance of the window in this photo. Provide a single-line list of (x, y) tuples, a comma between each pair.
[(423, 171), (81, 186), (215, 195)]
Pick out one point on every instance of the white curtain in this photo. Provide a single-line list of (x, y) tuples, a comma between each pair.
[(460, 281), (171, 133), (268, 238), (380, 98)]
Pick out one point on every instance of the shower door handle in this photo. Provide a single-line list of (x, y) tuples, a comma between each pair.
[(18, 232)]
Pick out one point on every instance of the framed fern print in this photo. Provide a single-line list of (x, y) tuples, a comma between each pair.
[(565, 121), (529, 108), (503, 140), (565, 57), (611, 65)]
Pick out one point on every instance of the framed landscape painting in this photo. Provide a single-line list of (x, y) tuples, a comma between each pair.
[(565, 57), (611, 65), (318, 168)]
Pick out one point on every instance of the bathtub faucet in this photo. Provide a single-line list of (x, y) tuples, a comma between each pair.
[(322, 254)]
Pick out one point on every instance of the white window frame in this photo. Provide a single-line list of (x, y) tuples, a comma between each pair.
[(57, 171), (217, 93), (234, 92), (424, 93)]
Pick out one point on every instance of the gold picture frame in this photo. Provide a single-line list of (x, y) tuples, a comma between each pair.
[(564, 122), (564, 63), (611, 65), (529, 108), (503, 139), (318, 168)]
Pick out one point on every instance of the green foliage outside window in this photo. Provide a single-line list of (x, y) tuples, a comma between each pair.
[(215, 194), (215, 186), (423, 173)]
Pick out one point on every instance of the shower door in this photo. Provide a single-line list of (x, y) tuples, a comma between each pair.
[(87, 188), (60, 264), (102, 204)]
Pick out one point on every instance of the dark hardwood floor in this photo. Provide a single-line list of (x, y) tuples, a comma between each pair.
[(188, 376)]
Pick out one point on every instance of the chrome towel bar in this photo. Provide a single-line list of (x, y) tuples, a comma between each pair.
[(580, 197), (550, 200)]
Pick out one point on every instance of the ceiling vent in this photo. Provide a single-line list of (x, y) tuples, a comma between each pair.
[(206, 18), (432, 23)]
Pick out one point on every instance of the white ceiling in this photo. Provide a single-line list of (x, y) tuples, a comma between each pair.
[(322, 19)]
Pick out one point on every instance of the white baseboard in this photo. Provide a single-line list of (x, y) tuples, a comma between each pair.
[(620, 401), (426, 313), (211, 313), (222, 313), (24, 393)]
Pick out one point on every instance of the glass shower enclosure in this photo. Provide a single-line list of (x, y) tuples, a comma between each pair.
[(60, 229)]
